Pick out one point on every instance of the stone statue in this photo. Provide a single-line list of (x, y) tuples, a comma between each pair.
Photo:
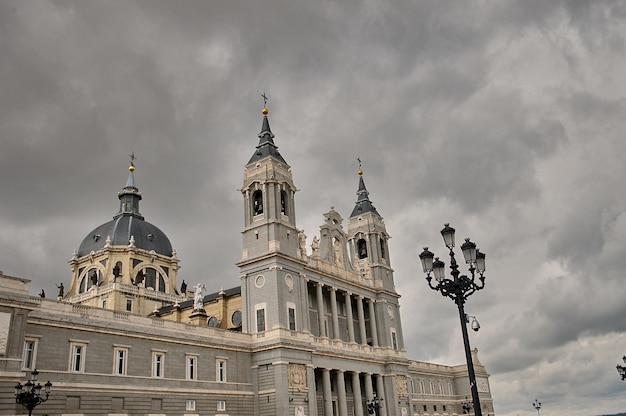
[(315, 245), (337, 252), (198, 296), (298, 411), (117, 271), (183, 287), (42, 294), (61, 290), (302, 238)]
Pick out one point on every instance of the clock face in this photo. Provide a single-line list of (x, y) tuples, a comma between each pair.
[(236, 318), (213, 322)]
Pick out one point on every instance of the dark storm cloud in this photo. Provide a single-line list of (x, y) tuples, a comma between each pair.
[(504, 118)]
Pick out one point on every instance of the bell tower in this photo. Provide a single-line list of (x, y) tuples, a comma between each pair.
[(269, 208), (368, 239)]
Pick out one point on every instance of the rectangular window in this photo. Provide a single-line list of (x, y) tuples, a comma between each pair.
[(158, 362), (119, 361), (104, 304), (28, 358), (220, 370), (394, 339), (435, 408), (221, 406), (444, 407), (129, 305), (291, 316), (190, 405), (191, 368), (260, 320), (425, 408), (77, 357)]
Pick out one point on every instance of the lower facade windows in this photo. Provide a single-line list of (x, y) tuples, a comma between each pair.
[(221, 406), (190, 405), (78, 352), (120, 359), (220, 370), (192, 361), (158, 364), (30, 354)]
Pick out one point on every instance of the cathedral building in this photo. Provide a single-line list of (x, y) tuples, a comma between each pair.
[(313, 329)]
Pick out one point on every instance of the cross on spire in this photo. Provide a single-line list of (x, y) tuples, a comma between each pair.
[(132, 158), (264, 99)]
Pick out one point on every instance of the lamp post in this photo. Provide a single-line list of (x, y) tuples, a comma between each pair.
[(621, 369), (537, 406), (30, 395), (374, 404), (458, 288)]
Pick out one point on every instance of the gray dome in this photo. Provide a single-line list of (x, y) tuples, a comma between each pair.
[(127, 223), (120, 229)]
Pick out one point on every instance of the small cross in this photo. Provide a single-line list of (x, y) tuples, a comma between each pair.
[(132, 158), (359, 160), (264, 99)]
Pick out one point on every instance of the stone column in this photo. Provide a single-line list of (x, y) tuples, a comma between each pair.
[(369, 390), (333, 311), (320, 309), (310, 375), (373, 328), (356, 390), (350, 318), (341, 394), (328, 395), (380, 389), (361, 316)]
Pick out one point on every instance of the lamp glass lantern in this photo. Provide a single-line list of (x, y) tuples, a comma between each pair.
[(448, 235)]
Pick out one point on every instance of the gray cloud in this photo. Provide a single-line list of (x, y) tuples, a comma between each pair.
[(503, 118)]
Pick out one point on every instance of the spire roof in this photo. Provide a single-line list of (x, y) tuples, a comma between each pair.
[(266, 146), (363, 203), (130, 196)]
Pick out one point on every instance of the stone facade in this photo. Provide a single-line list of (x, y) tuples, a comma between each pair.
[(314, 329)]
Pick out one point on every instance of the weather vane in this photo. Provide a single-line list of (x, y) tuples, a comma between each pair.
[(264, 99), (132, 158), (358, 158)]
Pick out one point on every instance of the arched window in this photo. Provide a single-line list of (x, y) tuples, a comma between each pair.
[(361, 247), (257, 202), (93, 277), (283, 202), (151, 278), (382, 248)]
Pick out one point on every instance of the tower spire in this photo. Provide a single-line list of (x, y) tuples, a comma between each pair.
[(363, 203), (266, 146), (130, 196)]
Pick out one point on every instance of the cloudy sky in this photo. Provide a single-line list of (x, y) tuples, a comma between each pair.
[(504, 118)]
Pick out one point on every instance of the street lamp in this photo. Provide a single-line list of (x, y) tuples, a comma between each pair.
[(622, 370), (459, 288), (374, 404), (537, 406), (30, 395)]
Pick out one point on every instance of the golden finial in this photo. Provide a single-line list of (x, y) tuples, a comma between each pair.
[(265, 111), (360, 172)]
